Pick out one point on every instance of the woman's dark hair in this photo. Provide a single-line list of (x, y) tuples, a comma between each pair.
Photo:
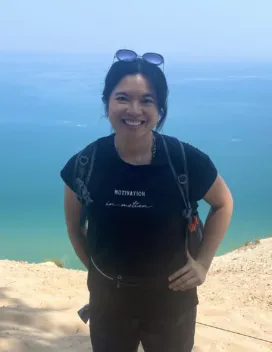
[(153, 73)]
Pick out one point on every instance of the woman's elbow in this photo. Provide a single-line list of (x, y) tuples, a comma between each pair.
[(219, 196)]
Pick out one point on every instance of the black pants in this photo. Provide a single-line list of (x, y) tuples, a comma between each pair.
[(121, 318), (124, 334)]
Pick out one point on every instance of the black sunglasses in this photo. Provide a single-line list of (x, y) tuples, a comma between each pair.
[(130, 55)]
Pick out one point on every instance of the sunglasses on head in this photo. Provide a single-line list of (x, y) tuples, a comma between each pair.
[(130, 55)]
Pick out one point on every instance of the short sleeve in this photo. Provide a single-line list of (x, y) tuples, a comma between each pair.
[(68, 171), (201, 172)]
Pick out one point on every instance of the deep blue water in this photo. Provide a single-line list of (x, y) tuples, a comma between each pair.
[(50, 107)]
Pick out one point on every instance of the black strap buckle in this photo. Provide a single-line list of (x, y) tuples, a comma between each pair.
[(187, 213)]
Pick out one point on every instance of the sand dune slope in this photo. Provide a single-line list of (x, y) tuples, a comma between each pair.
[(39, 303)]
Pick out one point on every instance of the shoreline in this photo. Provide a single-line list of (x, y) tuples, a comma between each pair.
[(61, 263)]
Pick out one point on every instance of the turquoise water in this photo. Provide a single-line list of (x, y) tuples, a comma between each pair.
[(50, 107)]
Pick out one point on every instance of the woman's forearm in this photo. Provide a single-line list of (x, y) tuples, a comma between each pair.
[(79, 243), (215, 227)]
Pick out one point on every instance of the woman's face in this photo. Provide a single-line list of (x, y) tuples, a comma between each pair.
[(132, 107)]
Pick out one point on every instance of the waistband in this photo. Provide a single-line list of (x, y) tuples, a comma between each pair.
[(131, 281)]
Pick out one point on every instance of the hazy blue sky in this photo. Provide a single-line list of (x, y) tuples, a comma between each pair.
[(224, 29)]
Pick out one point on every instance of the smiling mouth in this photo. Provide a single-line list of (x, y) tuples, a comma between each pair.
[(134, 123)]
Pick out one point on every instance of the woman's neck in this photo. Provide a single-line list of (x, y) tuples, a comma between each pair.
[(136, 151)]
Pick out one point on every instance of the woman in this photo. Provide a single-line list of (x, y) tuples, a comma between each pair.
[(136, 234)]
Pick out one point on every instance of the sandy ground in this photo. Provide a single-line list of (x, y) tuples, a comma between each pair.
[(39, 303)]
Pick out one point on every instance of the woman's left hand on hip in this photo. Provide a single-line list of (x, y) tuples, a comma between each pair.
[(191, 275)]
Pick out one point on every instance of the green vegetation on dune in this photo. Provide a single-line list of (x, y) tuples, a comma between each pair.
[(56, 261)]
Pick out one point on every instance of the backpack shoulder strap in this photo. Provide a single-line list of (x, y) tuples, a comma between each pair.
[(194, 232), (182, 179), (82, 172)]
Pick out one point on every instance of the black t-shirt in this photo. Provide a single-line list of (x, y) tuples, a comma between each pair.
[(135, 223)]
